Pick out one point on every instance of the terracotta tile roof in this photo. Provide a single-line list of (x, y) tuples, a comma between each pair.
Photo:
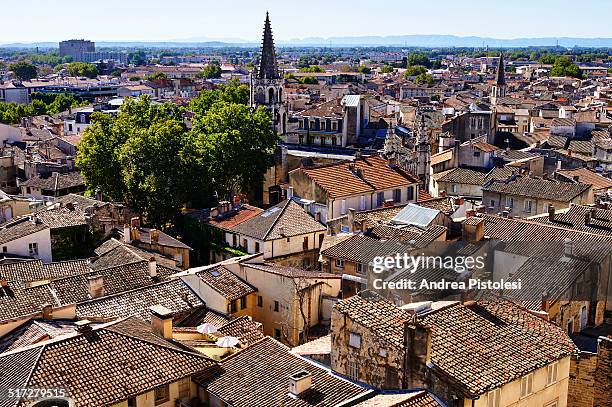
[(538, 188), (234, 218), (285, 219), (262, 371), (175, 295), (291, 272), (574, 217), (476, 344), (56, 181), (15, 229), (226, 283), (317, 346), (413, 399), (587, 176), (332, 109), (379, 215), (114, 253), (243, 328), (29, 271), (35, 331), (125, 359), (443, 204), (461, 176), (484, 146), (441, 157), (370, 174), (16, 300)]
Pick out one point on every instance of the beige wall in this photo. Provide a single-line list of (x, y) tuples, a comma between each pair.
[(148, 399), (510, 393)]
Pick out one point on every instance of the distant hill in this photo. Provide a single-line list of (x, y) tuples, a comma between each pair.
[(430, 41)]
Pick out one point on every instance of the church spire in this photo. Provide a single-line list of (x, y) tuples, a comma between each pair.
[(267, 64), (500, 74)]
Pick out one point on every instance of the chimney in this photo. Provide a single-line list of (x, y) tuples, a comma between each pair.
[(83, 326), (558, 164), (569, 152), (135, 222), (587, 218), (300, 382), (318, 216), (95, 286), (481, 209), (3, 282), (237, 200), (351, 219), (161, 321), (473, 229), (470, 213), (568, 248), (154, 235), (222, 207), (593, 213), (442, 194), (392, 162), (576, 178), (152, 267), (551, 213), (127, 233), (289, 193), (47, 311)]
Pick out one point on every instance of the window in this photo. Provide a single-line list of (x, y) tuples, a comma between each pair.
[(362, 203), (245, 243), (353, 370), (312, 124), (33, 249), (554, 403), (334, 126), (509, 202), (380, 198), (476, 153), (528, 205), (527, 385), (184, 388), (162, 394), (277, 334), (131, 402), (343, 207), (259, 301), (4, 249), (360, 268), (493, 398), (410, 193), (234, 240), (570, 326), (276, 306), (233, 306), (492, 203), (454, 188), (551, 373), (243, 303), (382, 352), (397, 195), (256, 247), (305, 243), (354, 340), (340, 263)]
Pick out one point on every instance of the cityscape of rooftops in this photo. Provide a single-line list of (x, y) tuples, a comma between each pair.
[(332, 204)]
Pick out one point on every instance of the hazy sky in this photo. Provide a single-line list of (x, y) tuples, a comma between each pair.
[(155, 20)]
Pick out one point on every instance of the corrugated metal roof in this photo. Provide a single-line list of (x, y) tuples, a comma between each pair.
[(350, 100), (415, 215)]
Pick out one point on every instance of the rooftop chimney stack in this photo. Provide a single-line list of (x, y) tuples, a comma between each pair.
[(127, 234), (587, 218), (568, 248), (289, 193), (161, 321), (95, 286), (154, 235), (152, 267), (351, 219), (300, 382), (83, 326), (551, 213)]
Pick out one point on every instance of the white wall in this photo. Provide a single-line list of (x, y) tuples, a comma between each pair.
[(21, 246), (9, 133)]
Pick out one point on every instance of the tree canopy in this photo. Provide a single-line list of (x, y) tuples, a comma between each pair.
[(416, 58), (211, 71), (386, 69), (415, 71), (82, 69), (23, 70), (564, 66), (424, 79), (41, 103), (146, 156), (312, 69), (157, 75)]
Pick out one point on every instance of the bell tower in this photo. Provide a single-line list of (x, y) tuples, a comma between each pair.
[(267, 82), (499, 87)]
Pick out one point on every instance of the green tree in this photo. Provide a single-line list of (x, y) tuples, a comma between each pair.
[(386, 69), (424, 79), (415, 70), (157, 75), (23, 70), (308, 80), (312, 69), (82, 69), (416, 58), (564, 66), (211, 71), (548, 59), (232, 92), (234, 146), (364, 69)]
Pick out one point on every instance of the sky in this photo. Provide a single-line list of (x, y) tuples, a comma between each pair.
[(170, 20)]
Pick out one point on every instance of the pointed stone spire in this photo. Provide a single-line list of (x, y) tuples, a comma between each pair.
[(267, 64), (500, 74)]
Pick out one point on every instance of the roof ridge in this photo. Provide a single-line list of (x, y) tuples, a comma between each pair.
[(285, 206)]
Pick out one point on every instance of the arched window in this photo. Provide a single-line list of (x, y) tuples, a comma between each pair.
[(280, 95), (271, 95)]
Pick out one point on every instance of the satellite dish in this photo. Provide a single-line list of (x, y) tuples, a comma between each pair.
[(227, 342), (206, 328)]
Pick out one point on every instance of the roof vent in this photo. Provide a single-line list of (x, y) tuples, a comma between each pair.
[(83, 326), (300, 382)]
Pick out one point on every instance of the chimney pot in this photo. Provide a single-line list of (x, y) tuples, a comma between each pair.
[(152, 267), (568, 247), (300, 382), (289, 193), (95, 286), (47, 311), (351, 219), (161, 321), (83, 326), (127, 233), (551, 213)]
